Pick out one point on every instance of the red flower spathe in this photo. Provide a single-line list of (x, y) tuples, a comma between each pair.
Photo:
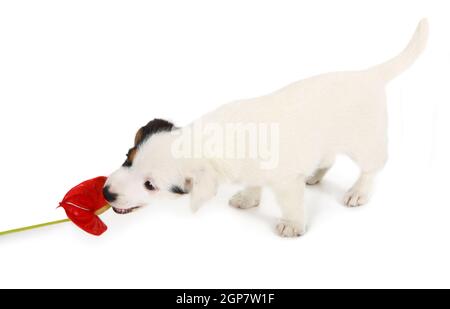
[(84, 202)]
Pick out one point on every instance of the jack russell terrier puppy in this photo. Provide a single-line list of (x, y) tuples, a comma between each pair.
[(283, 140)]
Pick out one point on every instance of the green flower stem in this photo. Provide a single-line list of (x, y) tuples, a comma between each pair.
[(26, 228)]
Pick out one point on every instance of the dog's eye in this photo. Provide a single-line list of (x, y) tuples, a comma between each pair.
[(148, 185)]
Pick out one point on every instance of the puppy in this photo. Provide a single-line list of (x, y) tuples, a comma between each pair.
[(283, 140)]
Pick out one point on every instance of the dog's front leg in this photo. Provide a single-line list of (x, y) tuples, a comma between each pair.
[(289, 195), (247, 198)]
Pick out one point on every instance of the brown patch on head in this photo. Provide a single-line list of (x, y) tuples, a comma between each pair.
[(188, 184), (139, 137), (153, 127), (130, 157)]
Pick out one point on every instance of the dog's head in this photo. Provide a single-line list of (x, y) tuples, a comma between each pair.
[(150, 170)]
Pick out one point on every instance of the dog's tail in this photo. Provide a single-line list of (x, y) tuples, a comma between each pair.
[(390, 69)]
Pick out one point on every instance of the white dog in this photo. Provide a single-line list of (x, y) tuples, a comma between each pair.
[(309, 122)]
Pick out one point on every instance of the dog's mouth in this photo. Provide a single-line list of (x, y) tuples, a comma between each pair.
[(125, 211)]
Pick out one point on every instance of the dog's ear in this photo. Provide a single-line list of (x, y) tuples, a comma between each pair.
[(202, 186), (154, 126)]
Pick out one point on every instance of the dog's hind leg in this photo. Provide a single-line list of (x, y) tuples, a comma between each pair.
[(320, 172), (247, 198), (359, 193), (289, 195), (370, 164)]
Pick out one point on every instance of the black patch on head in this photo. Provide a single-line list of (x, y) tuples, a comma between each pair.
[(127, 163), (153, 127), (177, 190), (144, 133)]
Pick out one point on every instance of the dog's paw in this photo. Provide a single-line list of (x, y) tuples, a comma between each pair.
[(317, 176), (289, 229), (244, 200), (355, 198)]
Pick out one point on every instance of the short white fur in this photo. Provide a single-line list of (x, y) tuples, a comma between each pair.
[(319, 117)]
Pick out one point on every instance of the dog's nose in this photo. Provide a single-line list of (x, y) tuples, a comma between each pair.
[(108, 195)]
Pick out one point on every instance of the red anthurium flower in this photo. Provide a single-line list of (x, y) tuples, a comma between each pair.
[(84, 202)]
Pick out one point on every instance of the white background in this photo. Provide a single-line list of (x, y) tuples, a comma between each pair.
[(78, 78)]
